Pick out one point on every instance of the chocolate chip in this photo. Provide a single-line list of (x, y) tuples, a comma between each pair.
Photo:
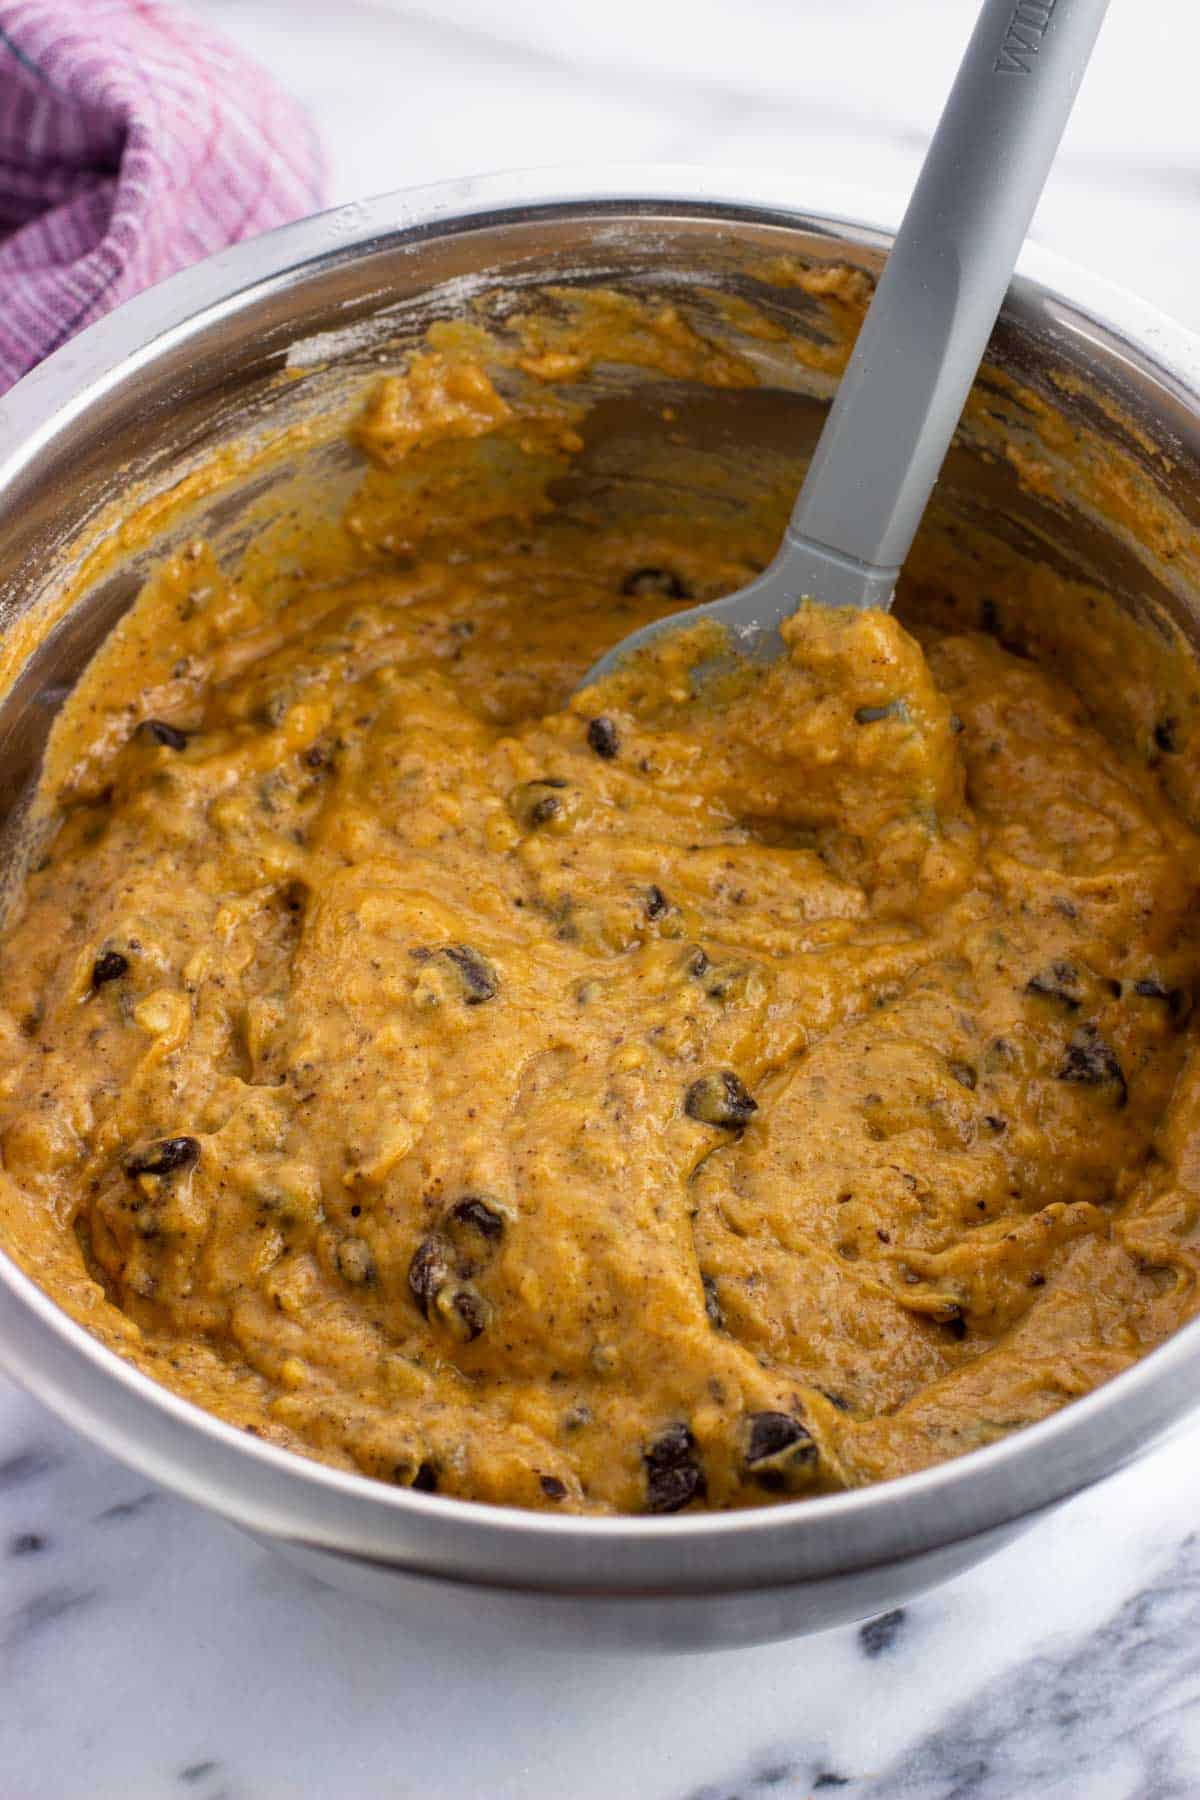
[(552, 1487), (602, 738), (428, 1272), (956, 725), (442, 1294), (479, 978), (455, 971), (712, 1303), (669, 1490), (964, 1074), (778, 1448), (657, 903), (728, 981), (720, 1098), (421, 1475), (477, 1216), (770, 1432), (163, 1157), (473, 1229), (536, 803), (1176, 999), (871, 715), (674, 1477), (663, 584), (671, 1445), (779, 1451), (1060, 982), (466, 1313), (110, 965), (1166, 736), (1093, 1063), (168, 735)]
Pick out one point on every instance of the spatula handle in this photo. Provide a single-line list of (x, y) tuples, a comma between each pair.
[(927, 327)]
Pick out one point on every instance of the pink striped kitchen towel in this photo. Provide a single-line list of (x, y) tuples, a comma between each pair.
[(132, 141)]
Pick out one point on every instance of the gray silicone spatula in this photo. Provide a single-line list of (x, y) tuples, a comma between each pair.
[(925, 331)]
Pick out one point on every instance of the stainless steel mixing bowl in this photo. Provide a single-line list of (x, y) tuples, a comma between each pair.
[(155, 389)]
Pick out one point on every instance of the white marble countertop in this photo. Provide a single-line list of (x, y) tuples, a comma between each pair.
[(147, 1649)]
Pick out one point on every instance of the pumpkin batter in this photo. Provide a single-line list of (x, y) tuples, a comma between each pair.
[(615, 1103)]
